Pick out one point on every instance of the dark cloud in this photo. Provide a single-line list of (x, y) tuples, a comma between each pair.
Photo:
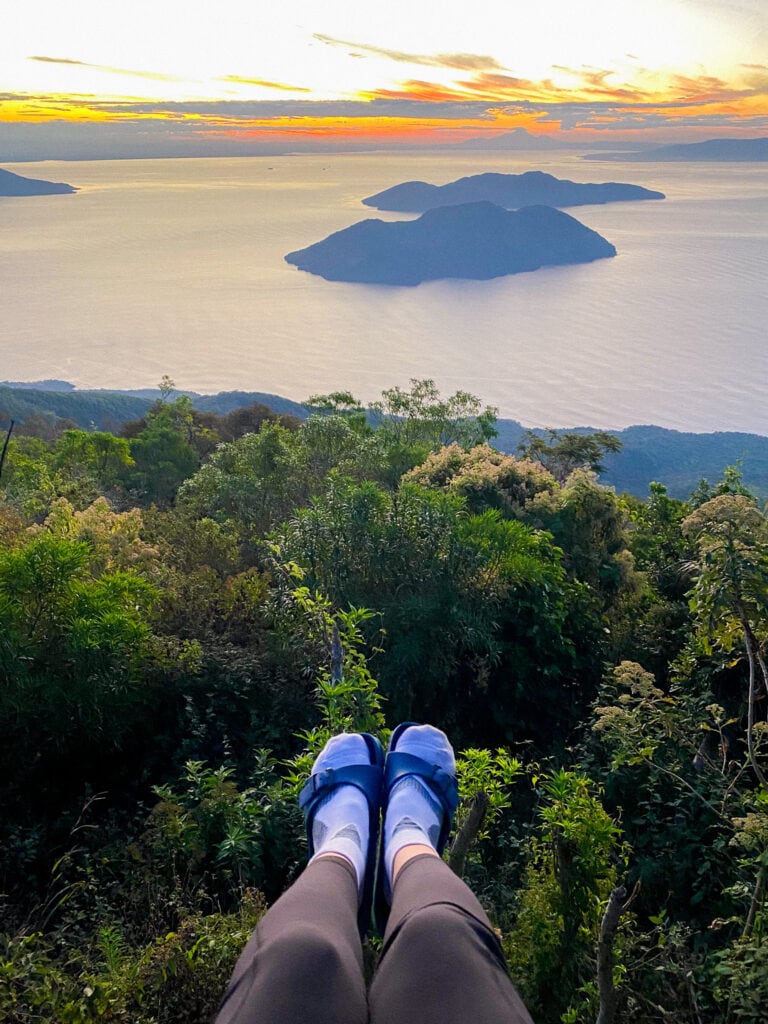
[(60, 60), (455, 61), (395, 105)]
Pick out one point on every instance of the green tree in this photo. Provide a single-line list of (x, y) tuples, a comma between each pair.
[(71, 649), (574, 863), (488, 478), (562, 452), (730, 596), (259, 479), (98, 455), (29, 483), (162, 452), (421, 415), (473, 608), (416, 422)]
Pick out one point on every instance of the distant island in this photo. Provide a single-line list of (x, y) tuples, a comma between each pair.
[(511, 191), (15, 185), (477, 241), (713, 150), (518, 139)]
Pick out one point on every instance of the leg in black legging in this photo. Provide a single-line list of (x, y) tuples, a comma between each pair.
[(442, 962), (303, 963)]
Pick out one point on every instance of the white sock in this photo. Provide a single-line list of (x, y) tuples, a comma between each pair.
[(414, 815), (413, 818), (341, 822)]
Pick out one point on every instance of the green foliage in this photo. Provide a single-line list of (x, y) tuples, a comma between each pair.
[(421, 416), (492, 772), (732, 482), (28, 481), (487, 478), (468, 605), (181, 975), (345, 690), (656, 540), (731, 588), (95, 454), (192, 658), (258, 480), (563, 452), (571, 870), (206, 829), (71, 643), (165, 448), (677, 816), (79, 465)]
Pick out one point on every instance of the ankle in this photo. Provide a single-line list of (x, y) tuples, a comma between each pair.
[(406, 854)]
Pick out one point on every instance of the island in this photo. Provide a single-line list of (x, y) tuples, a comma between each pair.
[(508, 190), (15, 185), (477, 241), (709, 151)]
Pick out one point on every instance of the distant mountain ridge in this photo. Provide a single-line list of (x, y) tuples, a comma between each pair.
[(711, 150), (475, 241), (519, 139), (510, 191), (674, 458), (15, 185)]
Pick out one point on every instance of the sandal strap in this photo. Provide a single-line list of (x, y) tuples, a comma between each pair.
[(442, 783), (366, 777)]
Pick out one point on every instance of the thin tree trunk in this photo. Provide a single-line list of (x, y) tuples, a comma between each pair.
[(607, 992), (467, 834), (754, 903), (750, 641), (5, 447)]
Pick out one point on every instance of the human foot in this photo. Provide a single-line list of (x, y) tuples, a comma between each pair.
[(341, 806), (420, 794)]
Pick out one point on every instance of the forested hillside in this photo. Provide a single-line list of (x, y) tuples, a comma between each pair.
[(646, 454), (169, 597)]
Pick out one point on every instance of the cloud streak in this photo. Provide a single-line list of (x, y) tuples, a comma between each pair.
[(453, 61), (155, 76), (262, 83)]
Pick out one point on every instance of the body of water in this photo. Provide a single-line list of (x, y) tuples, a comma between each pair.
[(176, 267)]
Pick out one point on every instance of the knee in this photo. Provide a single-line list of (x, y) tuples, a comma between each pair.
[(434, 927), (308, 950)]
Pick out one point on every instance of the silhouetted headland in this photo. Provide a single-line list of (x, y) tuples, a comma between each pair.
[(511, 191), (472, 240), (15, 185)]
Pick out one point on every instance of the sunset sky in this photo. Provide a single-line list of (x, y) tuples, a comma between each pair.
[(179, 76)]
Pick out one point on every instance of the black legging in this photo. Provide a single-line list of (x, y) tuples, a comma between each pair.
[(441, 962)]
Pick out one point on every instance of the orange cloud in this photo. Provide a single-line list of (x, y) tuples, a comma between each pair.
[(580, 103)]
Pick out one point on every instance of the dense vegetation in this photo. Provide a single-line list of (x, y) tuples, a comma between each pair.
[(171, 601), (646, 453)]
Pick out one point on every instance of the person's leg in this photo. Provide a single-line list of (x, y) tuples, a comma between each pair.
[(442, 962), (303, 962)]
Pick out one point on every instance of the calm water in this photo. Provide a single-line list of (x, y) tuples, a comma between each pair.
[(176, 266)]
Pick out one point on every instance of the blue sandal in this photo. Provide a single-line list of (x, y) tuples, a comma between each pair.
[(368, 778), (443, 786)]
